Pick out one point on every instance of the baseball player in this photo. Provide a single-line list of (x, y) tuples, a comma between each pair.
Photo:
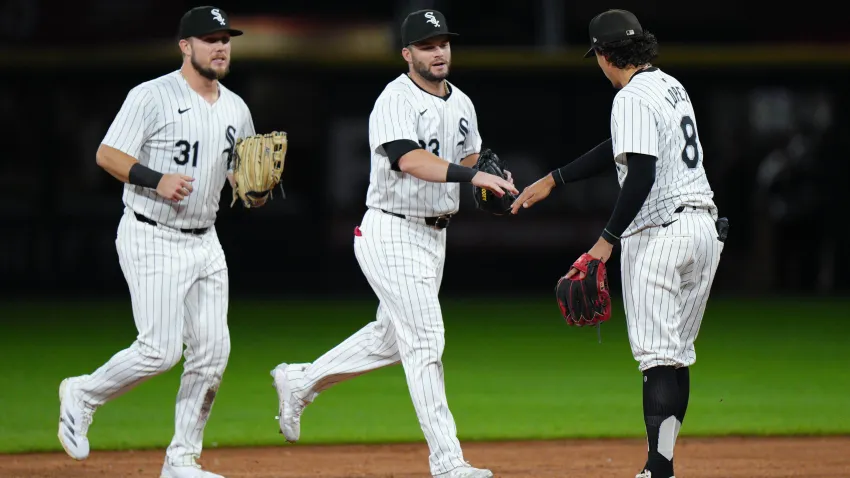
[(424, 138), (665, 219), (170, 143)]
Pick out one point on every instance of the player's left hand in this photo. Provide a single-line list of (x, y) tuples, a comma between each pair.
[(601, 250), (231, 179)]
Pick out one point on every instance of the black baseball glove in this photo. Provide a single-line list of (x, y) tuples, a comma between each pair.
[(486, 200)]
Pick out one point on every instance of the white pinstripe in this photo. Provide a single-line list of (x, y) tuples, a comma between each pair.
[(150, 124), (402, 258), (178, 281), (667, 276), (403, 262), (669, 259), (404, 111), (186, 305), (647, 118)]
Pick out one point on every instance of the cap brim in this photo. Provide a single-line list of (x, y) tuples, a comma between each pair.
[(233, 32), (590, 53), (432, 35)]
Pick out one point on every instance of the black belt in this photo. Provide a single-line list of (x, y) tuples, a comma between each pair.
[(201, 230), (682, 208), (440, 222)]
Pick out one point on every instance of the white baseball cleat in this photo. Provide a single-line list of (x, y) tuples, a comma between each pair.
[(74, 421), (466, 472), (191, 471), (289, 407)]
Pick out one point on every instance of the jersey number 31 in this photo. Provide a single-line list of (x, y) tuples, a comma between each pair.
[(690, 154), (185, 147)]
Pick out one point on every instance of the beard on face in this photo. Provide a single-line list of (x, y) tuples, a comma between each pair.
[(208, 73), (425, 71)]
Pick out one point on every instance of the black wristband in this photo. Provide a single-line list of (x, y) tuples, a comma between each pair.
[(144, 176), (459, 174)]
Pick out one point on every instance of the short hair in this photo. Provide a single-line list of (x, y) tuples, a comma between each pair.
[(630, 52)]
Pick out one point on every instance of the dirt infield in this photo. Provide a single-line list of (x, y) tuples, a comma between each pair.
[(695, 458)]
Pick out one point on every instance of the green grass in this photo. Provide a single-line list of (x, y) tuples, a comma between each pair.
[(514, 370)]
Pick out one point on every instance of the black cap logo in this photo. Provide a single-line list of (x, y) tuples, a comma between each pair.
[(414, 29), (432, 19), (201, 21), (217, 15)]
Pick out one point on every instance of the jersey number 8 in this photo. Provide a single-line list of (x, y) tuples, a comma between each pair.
[(690, 154)]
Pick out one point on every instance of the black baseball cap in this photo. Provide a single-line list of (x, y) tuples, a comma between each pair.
[(613, 26), (423, 24), (201, 21)]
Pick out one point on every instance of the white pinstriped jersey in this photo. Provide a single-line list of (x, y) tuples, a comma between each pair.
[(447, 127), (653, 115), (170, 128)]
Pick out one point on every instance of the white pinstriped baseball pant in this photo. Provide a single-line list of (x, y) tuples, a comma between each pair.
[(403, 262), (178, 285), (667, 276)]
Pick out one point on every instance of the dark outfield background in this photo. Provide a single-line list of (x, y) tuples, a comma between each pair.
[(769, 88)]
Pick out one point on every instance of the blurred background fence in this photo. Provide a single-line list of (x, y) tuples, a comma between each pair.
[(769, 89)]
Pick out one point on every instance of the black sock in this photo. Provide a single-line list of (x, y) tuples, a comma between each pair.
[(661, 407), (684, 377)]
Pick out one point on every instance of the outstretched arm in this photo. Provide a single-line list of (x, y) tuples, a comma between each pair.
[(408, 157), (591, 163), (585, 166)]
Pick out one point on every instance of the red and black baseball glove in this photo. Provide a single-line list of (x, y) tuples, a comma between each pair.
[(585, 301)]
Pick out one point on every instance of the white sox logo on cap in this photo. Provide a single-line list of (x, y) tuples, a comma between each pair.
[(432, 19), (217, 15)]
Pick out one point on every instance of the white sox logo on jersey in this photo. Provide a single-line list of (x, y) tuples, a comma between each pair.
[(217, 15), (197, 143), (463, 128), (431, 19), (446, 127), (230, 136)]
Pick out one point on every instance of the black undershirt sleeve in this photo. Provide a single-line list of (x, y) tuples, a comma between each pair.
[(587, 165), (635, 190), (398, 148)]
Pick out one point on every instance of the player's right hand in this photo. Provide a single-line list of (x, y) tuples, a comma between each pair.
[(534, 193), (493, 183), (174, 186)]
